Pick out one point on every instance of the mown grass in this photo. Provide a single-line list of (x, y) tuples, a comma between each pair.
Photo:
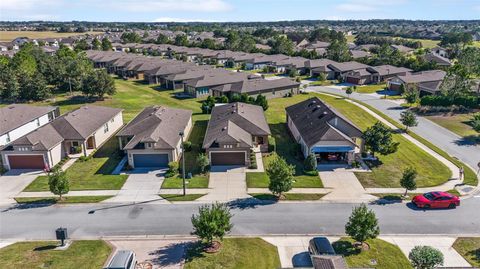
[(459, 124), (372, 88), (92, 174), (288, 196), (181, 198), (11, 35), (197, 181), (388, 171), (66, 199), (238, 253), (384, 255), (469, 248), (41, 254)]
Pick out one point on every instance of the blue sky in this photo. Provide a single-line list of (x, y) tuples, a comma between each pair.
[(236, 10)]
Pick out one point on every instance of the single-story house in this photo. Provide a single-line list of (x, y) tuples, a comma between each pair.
[(17, 120), (323, 131), (152, 138), (402, 48), (320, 66), (269, 88), (233, 131), (340, 69), (358, 76), (427, 82), (381, 73), (356, 54), (439, 60), (77, 132), (440, 51)]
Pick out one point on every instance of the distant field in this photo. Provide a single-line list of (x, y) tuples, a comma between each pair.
[(426, 43), (11, 35), (350, 38)]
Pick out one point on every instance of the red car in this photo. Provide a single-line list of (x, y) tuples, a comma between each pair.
[(436, 199)]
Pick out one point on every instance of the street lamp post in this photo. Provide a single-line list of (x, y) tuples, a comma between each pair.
[(181, 134)]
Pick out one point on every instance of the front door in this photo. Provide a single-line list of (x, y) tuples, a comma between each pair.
[(91, 142)]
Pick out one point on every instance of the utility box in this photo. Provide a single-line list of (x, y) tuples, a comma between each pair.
[(61, 234)]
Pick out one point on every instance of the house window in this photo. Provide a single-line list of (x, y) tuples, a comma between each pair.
[(74, 143), (38, 122), (105, 128), (227, 146), (112, 120)]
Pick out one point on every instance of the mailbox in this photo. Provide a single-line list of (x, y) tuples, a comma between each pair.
[(61, 234)]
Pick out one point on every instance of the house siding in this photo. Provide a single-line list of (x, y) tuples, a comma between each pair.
[(113, 127), (24, 129)]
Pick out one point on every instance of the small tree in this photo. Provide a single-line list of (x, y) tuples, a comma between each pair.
[(212, 221), (408, 179), (349, 91), (202, 162), (58, 182), (362, 224), (378, 138), (261, 100), (475, 122), (409, 119), (280, 174), (425, 257), (322, 76), (172, 169), (310, 163)]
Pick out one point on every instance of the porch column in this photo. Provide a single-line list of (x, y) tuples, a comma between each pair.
[(84, 148)]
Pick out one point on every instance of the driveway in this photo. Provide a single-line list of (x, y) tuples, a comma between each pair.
[(442, 243), (13, 182), (293, 250), (164, 254), (142, 185), (345, 187), (226, 183)]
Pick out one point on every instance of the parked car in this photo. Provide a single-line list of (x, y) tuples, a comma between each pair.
[(123, 259), (436, 199), (320, 246)]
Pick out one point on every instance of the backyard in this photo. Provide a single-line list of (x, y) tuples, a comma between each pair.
[(81, 255)]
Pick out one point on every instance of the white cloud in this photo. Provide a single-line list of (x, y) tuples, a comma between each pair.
[(29, 9), (169, 19), (169, 5), (367, 5)]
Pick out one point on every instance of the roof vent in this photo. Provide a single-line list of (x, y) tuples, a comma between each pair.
[(224, 128)]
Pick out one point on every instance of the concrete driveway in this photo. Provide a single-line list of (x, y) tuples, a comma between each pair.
[(293, 250), (345, 187), (142, 185), (164, 254), (13, 182), (226, 183)]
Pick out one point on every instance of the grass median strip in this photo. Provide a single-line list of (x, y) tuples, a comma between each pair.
[(181, 198), (198, 181), (85, 254), (469, 248), (288, 196), (66, 199), (239, 253)]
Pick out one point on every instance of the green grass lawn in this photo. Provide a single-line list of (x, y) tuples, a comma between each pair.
[(431, 172), (289, 196), (286, 147), (373, 88), (323, 83), (66, 200), (181, 198), (80, 255), (469, 248), (238, 253), (386, 255), (459, 124), (197, 181), (93, 174), (257, 180)]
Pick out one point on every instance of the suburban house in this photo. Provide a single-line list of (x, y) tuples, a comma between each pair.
[(152, 138), (233, 131), (253, 87), (320, 66), (440, 51), (17, 120), (348, 69), (438, 59), (427, 82), (321, 130), (77, 132), (202, 86), (383, 72), (402, 49)]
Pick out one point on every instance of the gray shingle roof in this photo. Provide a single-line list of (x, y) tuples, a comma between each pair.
[(16, 115), (315, 123), (157, 124), (235, 122), (44, 138)]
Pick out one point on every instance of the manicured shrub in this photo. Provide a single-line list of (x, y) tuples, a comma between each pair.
[(172, 169), (187, 146), (310, 163)]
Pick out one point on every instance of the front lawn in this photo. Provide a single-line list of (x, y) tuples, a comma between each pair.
[(197, 181), (381, 255), (388, 172), (80, 255), (469, 248), (181, 198), (288, 196), (257, 180), (66, 199), (92, 174), (372, 88), (238, 253)]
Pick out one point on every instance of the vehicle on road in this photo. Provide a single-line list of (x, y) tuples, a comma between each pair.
[(320, 246), (436, 199), (123, 259)]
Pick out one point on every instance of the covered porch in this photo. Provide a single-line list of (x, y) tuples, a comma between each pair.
[(77, 148)]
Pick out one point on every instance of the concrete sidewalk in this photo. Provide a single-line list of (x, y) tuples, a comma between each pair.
[(71, 193), (14, 182), (344, 187), (226, 184)]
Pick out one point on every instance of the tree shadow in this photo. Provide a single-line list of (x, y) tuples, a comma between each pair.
[(195, 251), (475, 253), (31, 205), (469, 140), (75, 100), (345, 248), (171, 254), (249, 203), (373, 163), (396, 108)]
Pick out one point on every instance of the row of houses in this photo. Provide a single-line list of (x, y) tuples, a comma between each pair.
[(153, 138), (195, 80)]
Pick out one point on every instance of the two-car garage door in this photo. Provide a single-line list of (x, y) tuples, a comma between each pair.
[(150, 160), (26, 161), (227, 158)]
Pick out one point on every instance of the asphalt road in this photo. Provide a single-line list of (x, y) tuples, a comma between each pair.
[(281, 218), (439, 136)]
